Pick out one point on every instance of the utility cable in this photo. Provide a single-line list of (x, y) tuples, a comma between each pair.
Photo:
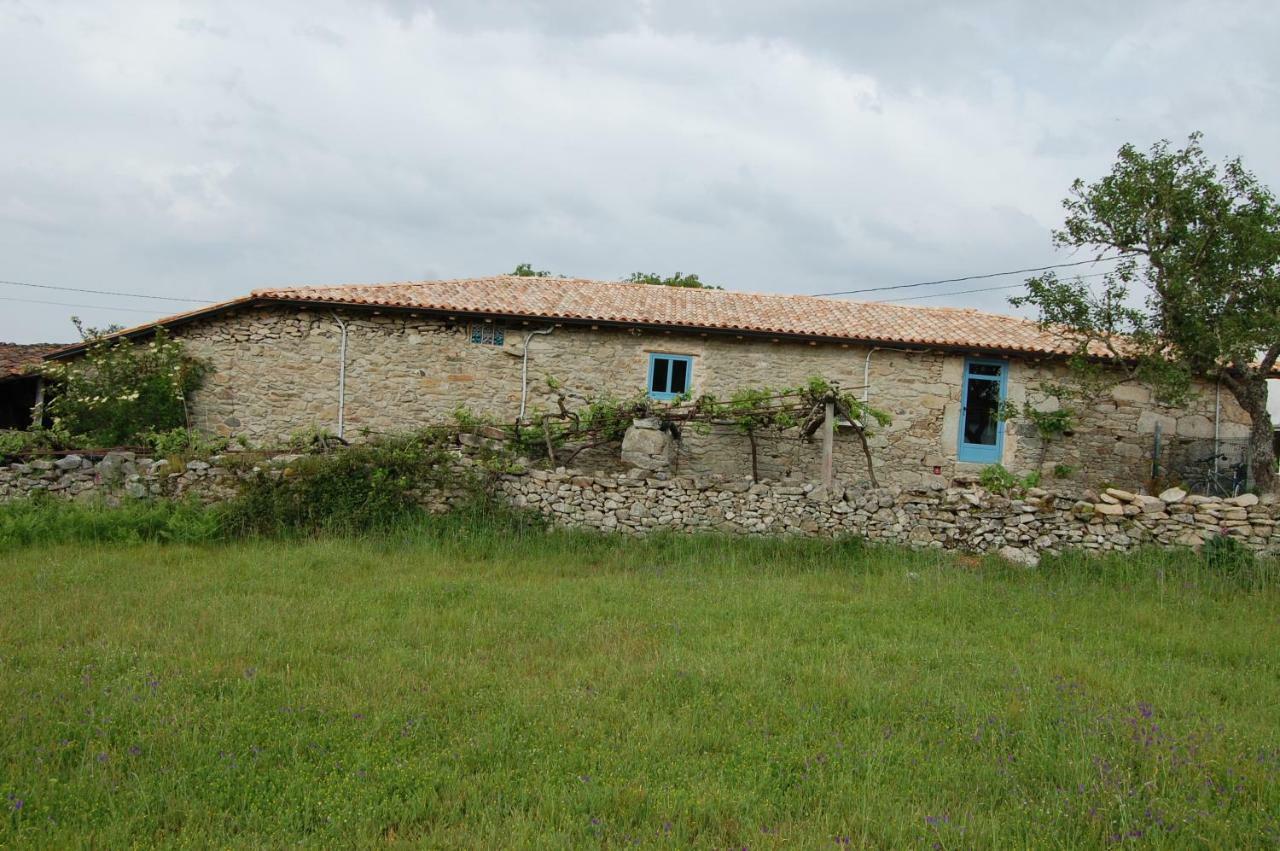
[(975, 277), (108, 292)]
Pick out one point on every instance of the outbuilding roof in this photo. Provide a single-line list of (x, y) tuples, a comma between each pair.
[(575, 300), (17, 359)]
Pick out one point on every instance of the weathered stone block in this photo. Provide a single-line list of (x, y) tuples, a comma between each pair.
[(646, 446), (66, 462)]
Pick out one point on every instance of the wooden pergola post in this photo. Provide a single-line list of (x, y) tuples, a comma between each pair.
[(828, 441)]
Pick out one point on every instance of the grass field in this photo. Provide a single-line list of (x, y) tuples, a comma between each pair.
[(487, 689)]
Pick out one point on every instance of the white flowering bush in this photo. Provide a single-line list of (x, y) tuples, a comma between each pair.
[(119, 391)]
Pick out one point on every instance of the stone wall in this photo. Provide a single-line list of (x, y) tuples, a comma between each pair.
[(959, 517), (963, 517), (275, 372)]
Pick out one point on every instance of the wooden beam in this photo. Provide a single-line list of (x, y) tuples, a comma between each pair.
[(828, 442)]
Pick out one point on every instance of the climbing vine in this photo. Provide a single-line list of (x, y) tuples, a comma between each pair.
[(575, 423), (1048, 412)]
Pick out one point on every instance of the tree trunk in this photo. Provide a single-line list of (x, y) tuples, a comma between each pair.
[(1251, 393), (866, 451), (546, 435), (861, 432)]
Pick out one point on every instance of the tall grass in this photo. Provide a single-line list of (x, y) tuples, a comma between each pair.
[(45, 520), (481, 529), (477, 680)]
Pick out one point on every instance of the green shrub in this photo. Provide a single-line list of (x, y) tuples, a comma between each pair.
[(1226, 555), (119, 390), (364, 488), (182, 441), (313, 438), (15, 443), (997, 479)]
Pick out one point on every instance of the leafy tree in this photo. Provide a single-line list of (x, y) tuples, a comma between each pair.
[(121, 392), (676, 280), (1203, 246), (88, 332), (526, 270)]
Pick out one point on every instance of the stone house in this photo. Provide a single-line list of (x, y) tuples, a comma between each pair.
[(386, 358)]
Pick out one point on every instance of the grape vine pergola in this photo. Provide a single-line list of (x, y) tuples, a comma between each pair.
[(567, 431)]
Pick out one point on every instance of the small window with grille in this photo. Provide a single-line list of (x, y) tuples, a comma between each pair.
[(488, 333)]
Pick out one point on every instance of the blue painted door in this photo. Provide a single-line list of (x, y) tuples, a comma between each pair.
[(981, 430)]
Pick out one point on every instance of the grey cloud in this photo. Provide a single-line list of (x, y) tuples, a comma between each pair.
[(322, 34), (802, 147), (197, 26)]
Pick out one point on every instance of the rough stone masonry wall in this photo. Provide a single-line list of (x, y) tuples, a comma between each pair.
[(275, 372), (965, 518)]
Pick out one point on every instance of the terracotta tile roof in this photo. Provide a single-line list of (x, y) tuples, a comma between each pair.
[(714, 310), (16, 358), (586, 301)]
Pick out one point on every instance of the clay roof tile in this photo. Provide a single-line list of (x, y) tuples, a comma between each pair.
[(701, 309)]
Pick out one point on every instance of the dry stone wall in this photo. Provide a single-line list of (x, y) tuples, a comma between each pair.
[(964, 517), (275, 372), (960, 516)]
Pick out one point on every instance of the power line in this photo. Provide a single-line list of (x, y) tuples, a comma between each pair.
[(941, 295), (72, 304), (975, 277), (842, 292), (107, 292), (979, 290)]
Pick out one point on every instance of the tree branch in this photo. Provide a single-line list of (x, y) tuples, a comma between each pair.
[(1269, 360)]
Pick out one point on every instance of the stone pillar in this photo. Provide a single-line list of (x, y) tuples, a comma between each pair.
[(648, 446)]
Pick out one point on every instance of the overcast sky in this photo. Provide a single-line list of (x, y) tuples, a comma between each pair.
[(201, 150)]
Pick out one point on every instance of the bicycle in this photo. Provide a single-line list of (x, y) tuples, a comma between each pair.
[(1216, 480)]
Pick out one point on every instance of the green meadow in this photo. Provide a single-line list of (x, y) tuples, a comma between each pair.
[(465, 684)]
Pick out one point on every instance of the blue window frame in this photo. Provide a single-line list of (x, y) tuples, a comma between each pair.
[(981, 429), (670, 376)]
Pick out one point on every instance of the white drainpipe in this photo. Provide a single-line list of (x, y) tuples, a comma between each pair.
[(342, 378), (524, 366), (866, 374)]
